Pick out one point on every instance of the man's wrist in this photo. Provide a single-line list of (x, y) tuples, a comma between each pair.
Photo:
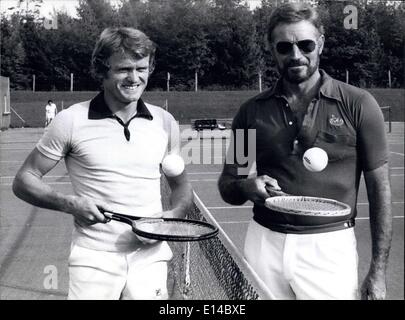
[(67, 203)]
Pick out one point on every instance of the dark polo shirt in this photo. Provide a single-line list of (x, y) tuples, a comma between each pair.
[(343, 120)]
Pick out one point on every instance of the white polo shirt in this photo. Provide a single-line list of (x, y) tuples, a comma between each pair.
[(50, 110), (103, 164)]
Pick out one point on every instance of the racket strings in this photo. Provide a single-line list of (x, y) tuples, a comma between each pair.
[(308, 206), (172, 228)]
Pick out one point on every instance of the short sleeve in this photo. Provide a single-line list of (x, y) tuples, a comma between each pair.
[(373, 144), (56, 141), (173, 130)]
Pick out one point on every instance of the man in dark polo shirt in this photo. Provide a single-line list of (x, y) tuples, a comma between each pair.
[(307, 108)]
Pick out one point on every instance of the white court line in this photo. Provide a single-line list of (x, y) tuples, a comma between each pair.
[(202, 173), (219, 172), (367, 218), (11, 161), (50, 183), (54, 177), (230, 207), (393, 202), (397, 153), (247, 221), (233, 222)]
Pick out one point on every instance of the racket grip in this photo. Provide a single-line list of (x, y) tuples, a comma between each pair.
[(273, 192), (107, 214)]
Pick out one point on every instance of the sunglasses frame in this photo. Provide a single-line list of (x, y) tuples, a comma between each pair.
[(299, 45)]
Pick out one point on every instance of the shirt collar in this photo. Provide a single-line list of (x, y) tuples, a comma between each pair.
[(99, 110), (328, 89)]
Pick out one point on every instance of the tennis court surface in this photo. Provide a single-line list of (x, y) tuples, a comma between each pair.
[(34, 243)]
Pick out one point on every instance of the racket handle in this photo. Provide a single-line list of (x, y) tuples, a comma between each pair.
[(273, 192), (107, 214), (110, 215)]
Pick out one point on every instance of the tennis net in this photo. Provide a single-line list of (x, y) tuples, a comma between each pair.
[(211, 269)]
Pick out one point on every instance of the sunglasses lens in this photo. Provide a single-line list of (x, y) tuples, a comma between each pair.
[(283, 47), (307, 46)]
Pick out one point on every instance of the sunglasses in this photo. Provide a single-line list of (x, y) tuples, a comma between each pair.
[(305, 46)]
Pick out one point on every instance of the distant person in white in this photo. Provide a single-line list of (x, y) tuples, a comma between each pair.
[(50, 112)]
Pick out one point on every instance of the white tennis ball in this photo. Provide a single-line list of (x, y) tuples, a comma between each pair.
[(315, 159), (173, 165)]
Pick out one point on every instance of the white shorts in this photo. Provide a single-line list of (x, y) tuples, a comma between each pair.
[(101, 275), (320, 266)]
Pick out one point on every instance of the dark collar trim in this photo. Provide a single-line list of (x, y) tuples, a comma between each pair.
[(327, 89), (99, 110)]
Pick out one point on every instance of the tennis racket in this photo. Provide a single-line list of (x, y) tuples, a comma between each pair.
[(310, 209), (166, 229)]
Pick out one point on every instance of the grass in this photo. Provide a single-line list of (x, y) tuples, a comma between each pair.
[(183, 105)]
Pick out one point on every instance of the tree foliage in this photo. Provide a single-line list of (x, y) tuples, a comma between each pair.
[(221, 40)]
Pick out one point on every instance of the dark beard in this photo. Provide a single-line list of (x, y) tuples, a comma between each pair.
[(297, 78)]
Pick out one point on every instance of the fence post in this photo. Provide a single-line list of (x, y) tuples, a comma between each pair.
[(71, 82), (389, 78), (260, 81), (33, 82), (168, 82), (196, 81)]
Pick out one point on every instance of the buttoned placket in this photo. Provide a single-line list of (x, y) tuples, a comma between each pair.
[(127, 133), (307, 123)]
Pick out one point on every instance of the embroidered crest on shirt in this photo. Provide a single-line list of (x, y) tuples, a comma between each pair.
[(336, 121)]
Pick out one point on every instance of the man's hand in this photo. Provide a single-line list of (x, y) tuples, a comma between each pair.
[(87, 211), (260, 188), (374, 287)]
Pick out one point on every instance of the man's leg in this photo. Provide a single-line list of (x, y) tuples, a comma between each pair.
[(96, 275), (264, 252), (324, 265), (147, 282), (147, 273)]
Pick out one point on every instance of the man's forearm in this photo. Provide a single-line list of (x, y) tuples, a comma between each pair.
[(181, 197), (379, 195), (231, 190), (33, 190), (381, 230)]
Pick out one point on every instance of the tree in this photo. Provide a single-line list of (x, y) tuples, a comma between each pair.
[(232, 40), (12, 53)]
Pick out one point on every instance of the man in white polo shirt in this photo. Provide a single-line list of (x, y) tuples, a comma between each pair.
[(113, 146), (50, 112)]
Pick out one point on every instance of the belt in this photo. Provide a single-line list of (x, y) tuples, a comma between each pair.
[(288, 228)]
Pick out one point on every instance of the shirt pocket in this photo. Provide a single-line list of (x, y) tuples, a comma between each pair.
[(337, 146)]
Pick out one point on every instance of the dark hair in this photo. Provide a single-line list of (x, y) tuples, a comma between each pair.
[(292, 13), (49, 101), (124, 40)]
